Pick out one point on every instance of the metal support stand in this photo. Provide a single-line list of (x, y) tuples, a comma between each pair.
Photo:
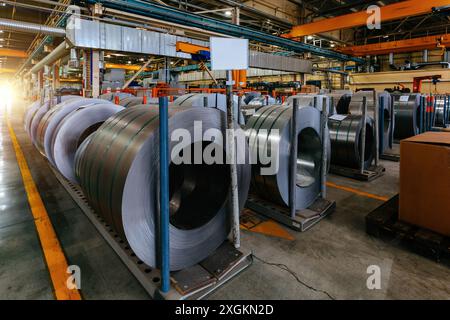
[(299, 220), (363, 136), (231, 155), (387, 155), (293, 161), (362, 174), (164, 248)]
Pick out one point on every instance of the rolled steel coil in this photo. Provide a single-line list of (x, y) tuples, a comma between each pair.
[(311, 100), (124, 189), (346, 141), (53, 117), (213, 100), (407, 115), (111, 96), (442, 104), (71, 132), (131, 101), (268, 131), (29, 113), (341, 102), (38, 115), (356, 108), (356, 103)]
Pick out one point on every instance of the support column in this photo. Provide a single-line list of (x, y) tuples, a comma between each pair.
[(91, 73), (343, 76)]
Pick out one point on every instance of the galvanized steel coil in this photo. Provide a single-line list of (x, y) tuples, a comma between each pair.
[(407, 115), (442, 104), (263, 136), (213, 100), (53, 117), (346, 146), (341, 102), (118, 172), (71, 132)]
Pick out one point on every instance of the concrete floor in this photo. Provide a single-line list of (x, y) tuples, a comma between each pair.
[(330, 260)]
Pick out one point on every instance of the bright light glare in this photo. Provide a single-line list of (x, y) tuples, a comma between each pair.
[(6, 97), (228, 13)]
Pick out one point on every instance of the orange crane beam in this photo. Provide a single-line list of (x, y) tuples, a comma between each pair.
[(13, 53), (390, 12), (130, 67), (409, 45)]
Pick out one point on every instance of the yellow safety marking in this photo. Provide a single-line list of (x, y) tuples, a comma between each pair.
[(251, 222), (54, 256), (358, 192)]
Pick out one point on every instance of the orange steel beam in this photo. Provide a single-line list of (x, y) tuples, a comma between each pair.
[(390, 12), (409, 45), (131, 67), (7, 70), (189, 47), (13, 53)]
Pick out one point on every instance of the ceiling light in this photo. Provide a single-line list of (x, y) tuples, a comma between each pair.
[(309, 37), (386, 36), (141, 59), (129, 62), (228, 13), (1, 31)]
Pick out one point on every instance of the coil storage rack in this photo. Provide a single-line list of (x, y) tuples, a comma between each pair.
[(122, 196), (296, 134), (356, 137)]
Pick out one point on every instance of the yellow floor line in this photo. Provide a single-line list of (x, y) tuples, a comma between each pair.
[(54, 256), (358, 192)]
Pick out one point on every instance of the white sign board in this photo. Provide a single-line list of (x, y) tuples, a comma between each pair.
[(228, 53), (404, 98), (338, 117)]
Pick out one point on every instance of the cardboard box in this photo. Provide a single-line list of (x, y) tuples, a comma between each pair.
[(425, 181)]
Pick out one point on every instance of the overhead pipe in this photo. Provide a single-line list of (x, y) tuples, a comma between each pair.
[(21, 26), (59, 52)]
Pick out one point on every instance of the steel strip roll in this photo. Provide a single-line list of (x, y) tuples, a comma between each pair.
[(38, 115), (123, 190), (346, 144), (214, 100), (72, 131), (307, 99), (111, 95), (388, 120), (407, 115), (263, 136), (52, 119), (439, 118), (131, 101), (341, 102), (29, 113)]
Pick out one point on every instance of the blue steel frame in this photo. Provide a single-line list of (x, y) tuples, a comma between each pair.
[(164, 193)]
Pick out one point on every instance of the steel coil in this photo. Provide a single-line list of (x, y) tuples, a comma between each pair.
[(407, 115), (213, 100), (131, 101), (311, 100), (123, 189), (263, 136), (346, 143), (29, 113), (441, 119), (53, 117), (38, 115), (341, 102), (71, 132)]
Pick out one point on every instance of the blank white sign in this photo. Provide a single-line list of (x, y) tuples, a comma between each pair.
[(228, 54)]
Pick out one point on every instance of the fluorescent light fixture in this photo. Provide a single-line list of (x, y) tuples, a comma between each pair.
[(228, 13)]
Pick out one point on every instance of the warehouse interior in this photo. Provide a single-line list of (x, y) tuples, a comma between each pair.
[(224, 150)]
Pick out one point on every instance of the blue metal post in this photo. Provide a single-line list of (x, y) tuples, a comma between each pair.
[(381, 135), (164, 193)]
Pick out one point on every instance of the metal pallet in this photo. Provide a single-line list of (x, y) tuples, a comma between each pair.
[(304, 219), (193, 283), (384, 223), (367, 175)]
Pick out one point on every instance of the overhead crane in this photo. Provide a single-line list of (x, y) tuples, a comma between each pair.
[(394, 11)]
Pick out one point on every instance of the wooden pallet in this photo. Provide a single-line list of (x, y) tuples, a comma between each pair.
[(383, 223)]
